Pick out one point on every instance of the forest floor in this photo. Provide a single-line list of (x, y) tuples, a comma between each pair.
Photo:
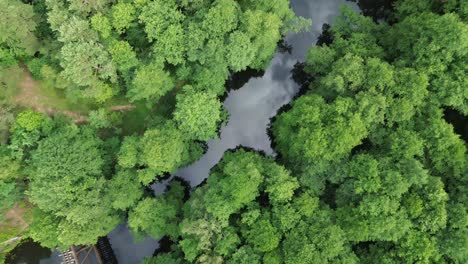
[(16, 221), (15, 216), (36, 95), (31, 95)]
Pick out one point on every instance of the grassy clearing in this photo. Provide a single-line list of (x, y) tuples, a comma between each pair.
[(9, 80), (14, 224), (42, 97), (134, 122)]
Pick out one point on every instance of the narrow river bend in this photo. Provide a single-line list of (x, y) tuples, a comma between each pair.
[(250, 109)]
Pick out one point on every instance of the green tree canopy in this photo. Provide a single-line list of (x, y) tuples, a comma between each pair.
[(160, 215), (160, 150), (150, 83), (327, 132), (123, 15), (17, 25), (198, 114), (233, 210), (394, 188), (66, 180)]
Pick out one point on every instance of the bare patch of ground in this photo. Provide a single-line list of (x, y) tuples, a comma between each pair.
[(14, 224), (122, 108), (15, 215), (30, 96)]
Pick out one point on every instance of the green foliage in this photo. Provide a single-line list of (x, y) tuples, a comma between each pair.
[(124, 190), (101, 24), (198, 114), (70, 163), (44, 229), (262, 235), (150, 83), (160, 215), (99, 91), (9, 166), (7, 58), (283, 229), (240, 51), (92, 50), (217, 36), (28, 128), (9, 79), (128, 154), (235, 186), (86, 62), (158, 16), (88, 6), (153, 216), (447, 33), (170, 45), (317, 239), (163, 25), (103, 118), (59, 156), (76, 29), (17, 34), (447, 152), (406, 8), (122, 16), (265, 29), (194, 42), (378, 194), (123, 55), (35, 67), (393, 181), (30, 120), (245, 255), (367, 171), (6, 120), (162, 148), (315, 133), (437, 45), (9, 194), (280, 186), (350, 22), (225, 214), (168, 258)]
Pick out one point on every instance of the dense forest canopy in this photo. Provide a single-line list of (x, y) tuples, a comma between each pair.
[(369, 138), (96, 61), (367, 170)]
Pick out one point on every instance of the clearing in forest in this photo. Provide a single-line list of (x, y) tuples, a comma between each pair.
[(34, 95), (14, 224)]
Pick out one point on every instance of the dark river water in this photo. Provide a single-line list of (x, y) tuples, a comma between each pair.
[(250, 108)]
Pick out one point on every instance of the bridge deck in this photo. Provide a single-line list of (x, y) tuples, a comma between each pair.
[(101, 253)]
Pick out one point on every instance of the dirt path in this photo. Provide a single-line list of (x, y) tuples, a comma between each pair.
[(122, 108), (14, 220), (31, 97), (11, 240), (14, 216)]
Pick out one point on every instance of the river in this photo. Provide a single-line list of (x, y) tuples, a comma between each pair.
[(250, 109)]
